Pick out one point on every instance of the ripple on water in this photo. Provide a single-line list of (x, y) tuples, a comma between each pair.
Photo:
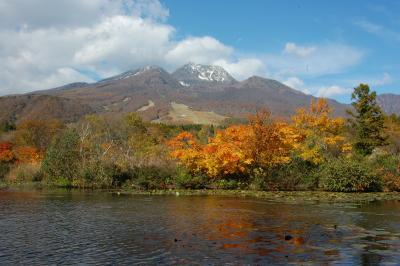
[(72, 228)]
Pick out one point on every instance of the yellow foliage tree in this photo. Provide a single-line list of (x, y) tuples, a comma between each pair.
[(321, 135), (238, 148)]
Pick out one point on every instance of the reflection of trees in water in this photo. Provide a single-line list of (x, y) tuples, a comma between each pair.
[(374, 225), (184, 229), (257, 228)]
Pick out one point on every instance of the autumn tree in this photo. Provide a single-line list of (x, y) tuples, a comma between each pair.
[(236, 149), (62, 160), (37, 133), (321, 135), (392, 130), (6, 125), (186, 149), (367, 120), (6, 153), (272, 142)]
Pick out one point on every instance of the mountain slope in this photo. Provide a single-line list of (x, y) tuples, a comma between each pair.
[(390, 103), (20, 107), (185, 96), (240, 99)]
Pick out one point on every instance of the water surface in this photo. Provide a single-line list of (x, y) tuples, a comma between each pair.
[(103, 228)]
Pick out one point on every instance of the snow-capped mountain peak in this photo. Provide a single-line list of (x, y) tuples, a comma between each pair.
[(132, 73), (191, 74)]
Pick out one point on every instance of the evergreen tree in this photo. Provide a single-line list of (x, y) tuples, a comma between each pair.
[(367, 120)]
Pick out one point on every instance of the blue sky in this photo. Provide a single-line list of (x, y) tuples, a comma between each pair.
[(264, 27), (324, 48)]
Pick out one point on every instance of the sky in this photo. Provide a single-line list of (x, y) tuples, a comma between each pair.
[(324, 48)]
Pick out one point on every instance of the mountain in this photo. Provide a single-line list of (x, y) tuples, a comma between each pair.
[(195, 74), (242, 98), (62, 88), (20, 107), (390, 103), (192, 94)]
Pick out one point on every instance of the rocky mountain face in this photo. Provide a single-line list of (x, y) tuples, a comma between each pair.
[(197, 74), (192, 94), (390, 103)]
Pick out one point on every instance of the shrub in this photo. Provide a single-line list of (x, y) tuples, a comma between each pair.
[(345, 175), (391, 181), (388, 167), (260, 180), (296, 175), (62, 160), (24, 172), (227, 184), (150, 177), (4, 168), (97, 174), (183, 179)]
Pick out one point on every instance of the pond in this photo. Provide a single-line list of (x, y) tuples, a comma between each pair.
[(71, 227)]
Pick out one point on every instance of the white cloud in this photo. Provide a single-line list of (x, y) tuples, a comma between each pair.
[(377, 81), (301, 51), (328, 58), (47, 43), (332, 91), (378, 30), (297, 84), (19, 14), (243, 68), (123, 42), (385, 80), (202, 50), (102, 37)]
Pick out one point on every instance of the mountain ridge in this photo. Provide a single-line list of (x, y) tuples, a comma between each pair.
[(158, 95)]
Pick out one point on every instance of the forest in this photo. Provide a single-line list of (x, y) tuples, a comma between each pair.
[(311, 151)]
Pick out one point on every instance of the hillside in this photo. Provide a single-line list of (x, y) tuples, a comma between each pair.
[(192, 94), (19, 107), (390, 103)]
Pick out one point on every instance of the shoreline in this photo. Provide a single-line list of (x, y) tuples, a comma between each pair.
[(273, 196)]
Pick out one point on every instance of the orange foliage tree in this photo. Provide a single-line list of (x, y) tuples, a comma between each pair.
[(237, 149), (6, 153), (28, 155), (321, 135), (37, 133)]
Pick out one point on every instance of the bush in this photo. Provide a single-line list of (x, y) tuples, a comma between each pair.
[(97, 174), (4, 168), (24, 172), (228, 184), (296, 175), (260, 180), (150, 177), (345, 175), (183, 179), (388, 167), (62, 160)]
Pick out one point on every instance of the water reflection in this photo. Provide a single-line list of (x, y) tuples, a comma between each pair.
[(75, 227)]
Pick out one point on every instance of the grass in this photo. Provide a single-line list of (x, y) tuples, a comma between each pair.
[(275, 196), (182, 113), (278, 196)]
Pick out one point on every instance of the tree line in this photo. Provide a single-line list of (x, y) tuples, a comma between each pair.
[(312, 151)]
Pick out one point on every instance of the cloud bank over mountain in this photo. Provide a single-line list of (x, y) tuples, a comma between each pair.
[(46, 43), (49, 43)]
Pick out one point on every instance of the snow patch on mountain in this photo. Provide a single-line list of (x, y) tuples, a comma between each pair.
[(184, 84), (192, 74), (130, 73), (208, 72)]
